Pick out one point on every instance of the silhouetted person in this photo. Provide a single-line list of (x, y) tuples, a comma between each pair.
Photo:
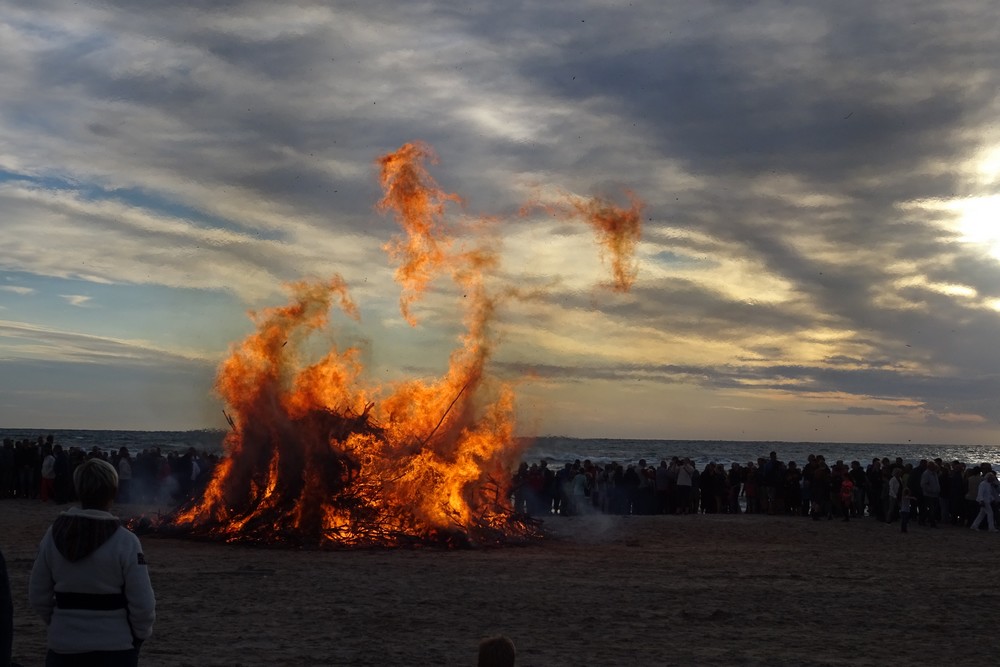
[(496, 652), (6, 615)]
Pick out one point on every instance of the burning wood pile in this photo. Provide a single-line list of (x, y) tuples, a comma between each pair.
[(319, 458)]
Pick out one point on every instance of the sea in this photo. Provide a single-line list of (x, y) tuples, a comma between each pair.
[(559, 450)]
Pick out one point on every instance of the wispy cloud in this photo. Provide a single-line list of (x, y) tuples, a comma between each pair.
[(17, 289), (29, 341), (78, 300)]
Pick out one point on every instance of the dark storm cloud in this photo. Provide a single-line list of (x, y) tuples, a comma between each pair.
[(838, 106)]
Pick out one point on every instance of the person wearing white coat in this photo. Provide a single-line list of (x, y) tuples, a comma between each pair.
[(986, 496), (90, 583)]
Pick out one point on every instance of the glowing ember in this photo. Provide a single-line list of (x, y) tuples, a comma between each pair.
[(317, 458)]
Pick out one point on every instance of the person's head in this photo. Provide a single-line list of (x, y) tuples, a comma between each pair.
[(96, 484), (496, 652)]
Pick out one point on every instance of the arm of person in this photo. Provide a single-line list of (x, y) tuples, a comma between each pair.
[(41, 586), (138, 591)]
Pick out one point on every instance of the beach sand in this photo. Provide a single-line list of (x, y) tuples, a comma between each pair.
[(708, 590)]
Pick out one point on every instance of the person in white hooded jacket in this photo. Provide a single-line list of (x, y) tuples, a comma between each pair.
[(90, 583), (986, 496)]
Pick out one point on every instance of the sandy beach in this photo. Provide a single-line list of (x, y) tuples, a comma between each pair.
[(649, 590)]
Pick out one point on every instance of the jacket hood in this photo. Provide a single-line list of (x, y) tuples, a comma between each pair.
[(78, 533)]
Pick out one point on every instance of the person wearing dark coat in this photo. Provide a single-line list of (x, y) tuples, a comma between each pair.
[(6, 615)]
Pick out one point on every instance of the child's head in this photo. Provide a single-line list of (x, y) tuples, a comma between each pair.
[(96, 484), (496, 652)]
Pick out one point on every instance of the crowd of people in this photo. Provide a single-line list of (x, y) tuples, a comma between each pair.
[(43, 469), (933, 491)]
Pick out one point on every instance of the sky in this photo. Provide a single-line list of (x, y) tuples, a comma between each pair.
[(820, 252)]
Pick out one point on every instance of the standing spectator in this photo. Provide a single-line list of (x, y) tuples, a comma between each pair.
[(496, 652), (905, 506), (734, 486), (549, 492), (124, 476), (846, 493), (579, 488), (630, 482), (64, 475), (956, 495), (8, 469), (47, 490), (972, 480), (27, 462), (773, 472), (519, 486), (662, 487), (560, 503), (860, 480), (6, 615), (89, 582), (647, 488), (819, 490), (793, 489), (986, 496), (895, 493), (876, 507), (914, 481), (685, 481), (930, 486), (751, 488)]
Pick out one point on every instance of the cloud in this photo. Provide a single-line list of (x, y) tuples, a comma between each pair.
[(14, 289), (25, 340), (78, 300), (800, 166)]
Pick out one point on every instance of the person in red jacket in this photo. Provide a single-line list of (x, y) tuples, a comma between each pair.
[(846, 496)]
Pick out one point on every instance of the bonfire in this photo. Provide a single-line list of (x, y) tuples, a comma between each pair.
[(319, 457)]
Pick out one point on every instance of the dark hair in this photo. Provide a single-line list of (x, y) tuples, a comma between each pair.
[(496, 651)]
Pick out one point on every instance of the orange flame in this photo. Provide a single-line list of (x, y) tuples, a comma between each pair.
[(618, 230), (419, 205), (317, 456)]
